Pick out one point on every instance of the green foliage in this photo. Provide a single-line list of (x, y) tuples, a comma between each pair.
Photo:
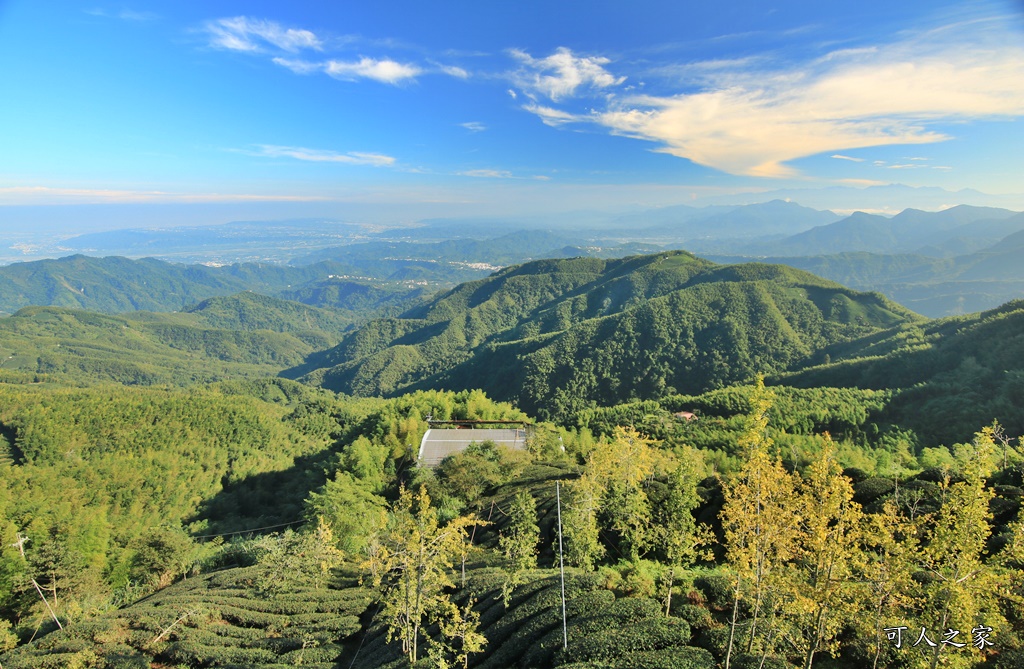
[(162, 555), (350, 508), (82, 348), (215, 620), (955, 373), (518, 542), (410, 561), (646, 327)]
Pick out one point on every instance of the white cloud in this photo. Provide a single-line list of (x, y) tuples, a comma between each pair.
[(454, 71), (385, 71), (321, 156), (745, 118), (241, 33), (562, 74), (50, 195), (512, 94), (501, 174), (487, 174), (124, 14), (840, 156), (551, 116), (474, 126), (299, 66)]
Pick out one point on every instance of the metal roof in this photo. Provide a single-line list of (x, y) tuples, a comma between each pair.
[(437, 444)]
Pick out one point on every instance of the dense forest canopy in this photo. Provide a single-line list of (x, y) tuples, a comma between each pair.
[(168, 498)]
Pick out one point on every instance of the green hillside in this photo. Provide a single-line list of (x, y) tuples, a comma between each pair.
[(954, 373), (557, 336), (120, 285), (240, 335)]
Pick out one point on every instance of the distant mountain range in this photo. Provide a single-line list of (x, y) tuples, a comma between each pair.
[(958, 260)]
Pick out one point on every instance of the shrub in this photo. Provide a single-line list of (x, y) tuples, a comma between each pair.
[(686, 657), (717, 590), (697, 617), (613, 642)]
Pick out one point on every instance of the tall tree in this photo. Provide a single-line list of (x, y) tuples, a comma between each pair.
[(822, 592), (759, 520), (519, 541), (412, 561), (675, 527), (959, 589), (891, 544)]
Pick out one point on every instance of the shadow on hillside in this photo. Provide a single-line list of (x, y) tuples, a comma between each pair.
[(264, 500)]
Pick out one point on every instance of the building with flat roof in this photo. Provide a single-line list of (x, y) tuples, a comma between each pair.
[(440, 442)]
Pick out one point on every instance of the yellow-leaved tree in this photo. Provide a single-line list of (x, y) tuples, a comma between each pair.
[(761, 521), (412, 561), (824, 591), (958, 588)]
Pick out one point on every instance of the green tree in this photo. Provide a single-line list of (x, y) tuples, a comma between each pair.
[(350, 508), (579, 522), (674, 525), (298, 560), (891, 545), (959, 589), (162, 555), (460, 635), (518, 543), (411, 560)]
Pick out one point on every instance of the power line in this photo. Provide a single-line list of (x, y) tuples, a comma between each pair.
[(255, 529)]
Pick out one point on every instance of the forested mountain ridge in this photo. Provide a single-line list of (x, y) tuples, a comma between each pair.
[(955, 372), (241, 335), (119, 285), (556, 336)]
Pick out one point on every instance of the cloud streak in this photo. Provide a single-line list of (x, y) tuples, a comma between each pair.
[(49, 195), (385, 71), (242, 33), (322, 156)]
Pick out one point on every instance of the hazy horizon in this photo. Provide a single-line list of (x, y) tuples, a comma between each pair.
[(196, 114)]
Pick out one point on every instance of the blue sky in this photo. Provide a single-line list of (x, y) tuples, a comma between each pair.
[(503, 108)]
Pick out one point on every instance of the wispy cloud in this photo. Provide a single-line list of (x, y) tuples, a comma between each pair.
[(454, 71), (487, 174), (50, 195), (562, 74), (124, 14), (747, 118), (299, 66), (500, 174), (474, 126), (242, 33), (551, 116), (322, 156), (386, 71), (839, 156)]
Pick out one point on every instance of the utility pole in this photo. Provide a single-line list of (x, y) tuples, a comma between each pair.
[(20, 544), (561, 564)]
